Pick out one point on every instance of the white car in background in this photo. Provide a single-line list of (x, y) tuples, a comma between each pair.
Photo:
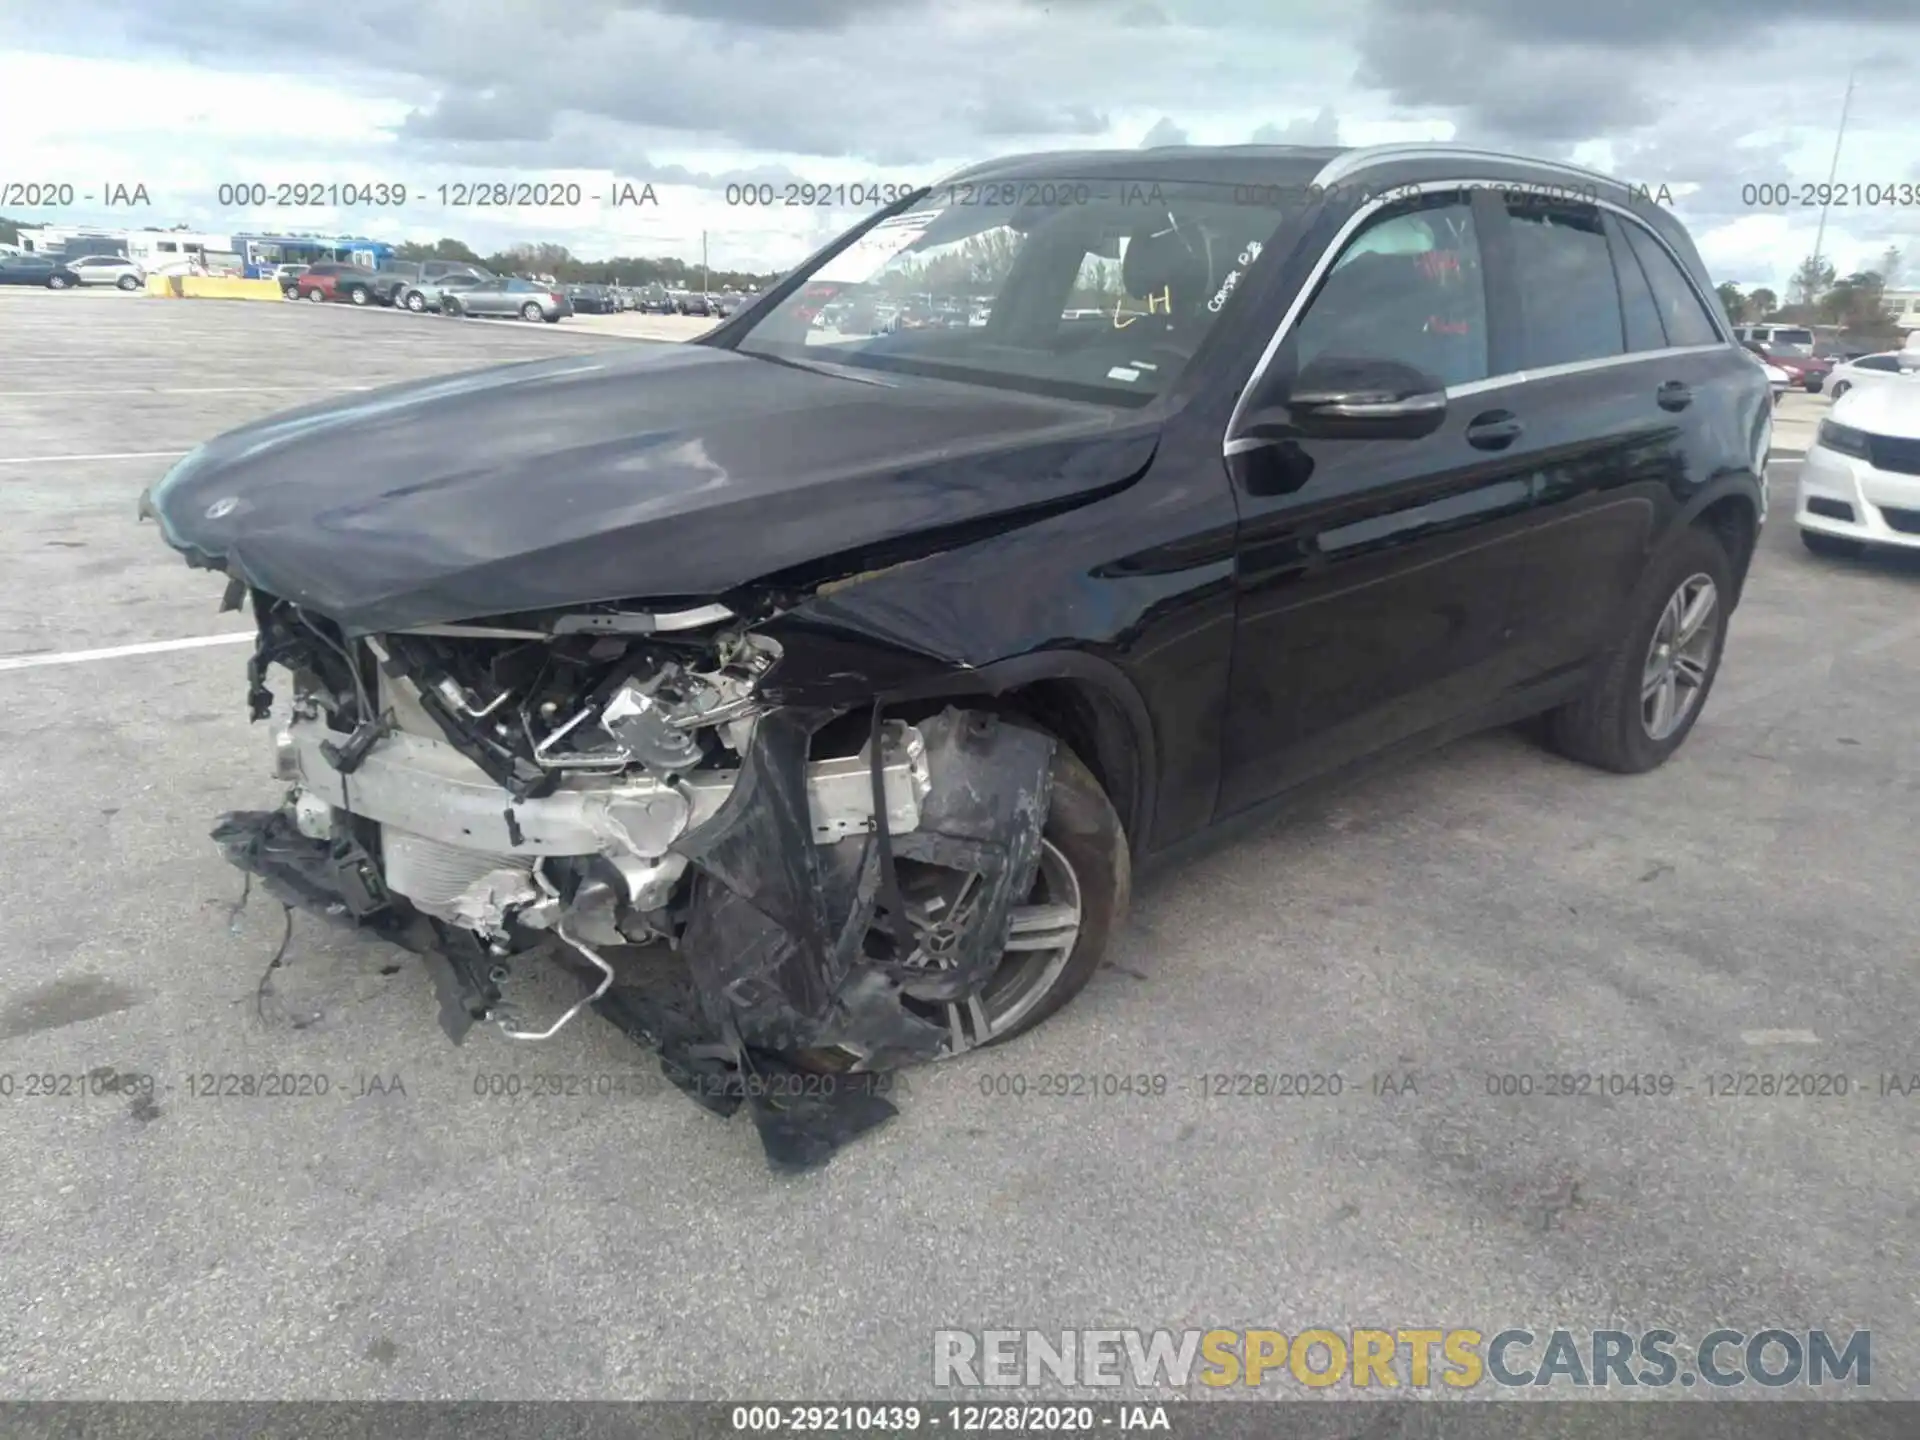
[(1893, 365), (114, 270), (1860, 481), (1777, 379)]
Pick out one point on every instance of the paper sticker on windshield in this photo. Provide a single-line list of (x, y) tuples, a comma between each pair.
[(868, 255)]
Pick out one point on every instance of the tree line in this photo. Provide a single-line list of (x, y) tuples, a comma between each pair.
[(569, 269), (1818, 295)]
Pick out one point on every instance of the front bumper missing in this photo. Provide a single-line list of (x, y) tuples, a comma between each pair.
[(780, 980)]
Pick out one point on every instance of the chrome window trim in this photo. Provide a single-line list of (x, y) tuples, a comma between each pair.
[(1234, 446)]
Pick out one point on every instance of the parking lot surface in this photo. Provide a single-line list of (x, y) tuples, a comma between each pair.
[(1487, 912)]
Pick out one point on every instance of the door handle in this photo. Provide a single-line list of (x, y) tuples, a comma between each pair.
[(1674, 395), (1494, 430)]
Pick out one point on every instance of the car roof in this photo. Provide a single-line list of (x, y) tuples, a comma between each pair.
[(1337, 168)]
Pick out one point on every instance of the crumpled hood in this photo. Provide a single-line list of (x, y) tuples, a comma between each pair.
[(651, 471)]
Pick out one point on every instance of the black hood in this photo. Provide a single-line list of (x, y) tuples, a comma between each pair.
[(655, 471)]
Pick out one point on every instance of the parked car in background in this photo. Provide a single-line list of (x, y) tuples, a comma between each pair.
[(1893, 365), (692, 302), (38, 270), (1785, 339), (1860, 482), (336, 280), (287, 275), (657, 300), (508, 295), (430, 295), (590, 299), (1805, 372), (866, 669), (392, 280), (726, 303), (114, 270)]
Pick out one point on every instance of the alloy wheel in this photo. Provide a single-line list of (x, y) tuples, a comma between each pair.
[(1044, 928), (1680, 656)]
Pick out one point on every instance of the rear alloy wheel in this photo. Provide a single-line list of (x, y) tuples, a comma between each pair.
[(317, 296), (127, 282), (1840, 387), (1833, 547), (359, 295), (1650, 687), (532, 311), (56, 282), (416, 302), (1059, 930)]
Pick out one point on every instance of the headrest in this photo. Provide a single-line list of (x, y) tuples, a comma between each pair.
[(1166, 260)]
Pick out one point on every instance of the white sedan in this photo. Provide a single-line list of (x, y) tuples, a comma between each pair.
[(114, 270), (1888, 365), (1860, 482)]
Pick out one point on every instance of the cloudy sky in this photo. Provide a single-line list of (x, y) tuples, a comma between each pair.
[(1704, 96)]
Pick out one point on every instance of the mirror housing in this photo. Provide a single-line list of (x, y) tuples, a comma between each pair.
[(1341, 397)]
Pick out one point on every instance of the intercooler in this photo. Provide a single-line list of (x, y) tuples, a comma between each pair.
[(432, 875)]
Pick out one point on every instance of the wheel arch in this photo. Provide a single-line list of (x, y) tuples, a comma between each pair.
[(1733, 518), (1087, 702)]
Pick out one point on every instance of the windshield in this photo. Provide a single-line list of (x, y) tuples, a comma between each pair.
[(1799, 342), (1087, 289)]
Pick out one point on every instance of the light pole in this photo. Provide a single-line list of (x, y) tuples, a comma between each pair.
[(1820, 235), (703, 264)]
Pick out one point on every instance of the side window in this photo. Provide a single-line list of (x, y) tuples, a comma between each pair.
[(1687, 320), (1877, 362), (1408, 287), (1569, 301), (1637, 305)]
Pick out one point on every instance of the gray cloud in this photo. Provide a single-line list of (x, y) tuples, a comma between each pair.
[(1164, 132), (1321, 129)]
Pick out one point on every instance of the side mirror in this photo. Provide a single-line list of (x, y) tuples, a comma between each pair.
[(1339, 397)]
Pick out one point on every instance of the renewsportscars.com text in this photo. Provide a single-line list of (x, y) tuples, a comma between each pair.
[(1365, 1359)]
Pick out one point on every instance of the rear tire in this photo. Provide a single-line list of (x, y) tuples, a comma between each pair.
[(127, 282), (1840, 387), (416, 302), (56, 282), (1609, 727), (1832, 547), (358, 295), (317, 297), (531, 311), (451, 306)]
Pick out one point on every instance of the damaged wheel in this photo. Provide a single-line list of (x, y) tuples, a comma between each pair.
[(1059, 929)]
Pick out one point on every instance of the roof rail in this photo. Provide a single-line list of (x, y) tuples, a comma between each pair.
[(1367, 156)]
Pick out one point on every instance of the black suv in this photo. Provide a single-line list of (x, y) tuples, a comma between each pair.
[(868, 669)]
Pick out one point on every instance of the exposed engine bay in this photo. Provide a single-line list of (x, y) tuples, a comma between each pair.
[(615, 791)]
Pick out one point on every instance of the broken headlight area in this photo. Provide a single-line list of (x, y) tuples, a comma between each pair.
[(755, 891)]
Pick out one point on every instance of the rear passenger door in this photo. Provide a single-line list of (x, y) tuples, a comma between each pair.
[(1613, 370)]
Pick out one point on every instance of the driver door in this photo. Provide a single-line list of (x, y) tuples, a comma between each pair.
[(1376, 576)]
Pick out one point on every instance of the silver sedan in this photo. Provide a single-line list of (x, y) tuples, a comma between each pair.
[(508, 296)]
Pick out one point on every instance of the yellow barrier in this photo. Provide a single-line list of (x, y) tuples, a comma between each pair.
[(166, 287), (220, 287)]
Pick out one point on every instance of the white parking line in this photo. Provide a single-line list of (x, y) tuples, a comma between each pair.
[(116, 652), (110, 455), (1779, 1037)]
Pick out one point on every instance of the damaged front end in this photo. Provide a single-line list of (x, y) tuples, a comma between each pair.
[(758, 891)]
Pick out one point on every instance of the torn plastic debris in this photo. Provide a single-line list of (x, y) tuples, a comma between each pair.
[(791, 999)]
